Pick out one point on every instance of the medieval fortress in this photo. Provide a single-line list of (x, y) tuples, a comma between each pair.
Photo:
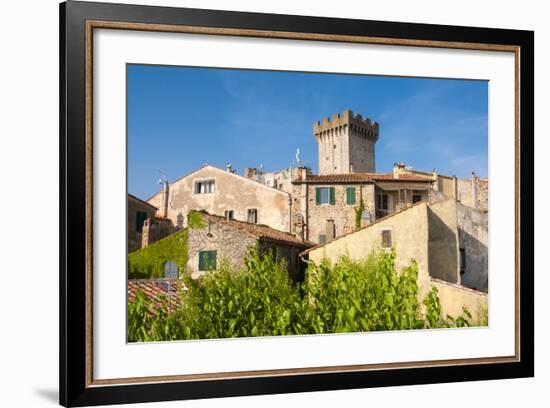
[(344, 208)]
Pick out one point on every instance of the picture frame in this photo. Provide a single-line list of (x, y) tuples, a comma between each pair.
[(79, 21)]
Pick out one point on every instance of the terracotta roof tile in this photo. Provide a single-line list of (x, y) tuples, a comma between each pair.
[(260, 231), (157, 290), (361, 178)]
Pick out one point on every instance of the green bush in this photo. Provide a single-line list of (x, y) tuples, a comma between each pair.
[(260, 300)]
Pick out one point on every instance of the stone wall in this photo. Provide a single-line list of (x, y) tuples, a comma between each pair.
[(231, 246), (482, 194), (346, 143), (136, 205), (232, 192), (317, 218), (473, 240)]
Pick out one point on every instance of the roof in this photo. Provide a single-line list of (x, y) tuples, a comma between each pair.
[(361, 178), (259, 231), (142, 201), (156, 289), (224, 172)]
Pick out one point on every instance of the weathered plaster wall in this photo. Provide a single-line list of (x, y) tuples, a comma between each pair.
[(454, 297), (443, 241), (409, 233), (473, 238), (232, 192)]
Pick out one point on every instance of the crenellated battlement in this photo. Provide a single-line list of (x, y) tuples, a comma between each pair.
[(347, 121), (346, 143)]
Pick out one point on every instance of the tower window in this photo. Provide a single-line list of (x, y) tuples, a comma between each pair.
[(334, 146)]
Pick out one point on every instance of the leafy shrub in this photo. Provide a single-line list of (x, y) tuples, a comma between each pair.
[(260, 300)]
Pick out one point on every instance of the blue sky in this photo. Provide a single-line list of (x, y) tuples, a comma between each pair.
[(180, 118)]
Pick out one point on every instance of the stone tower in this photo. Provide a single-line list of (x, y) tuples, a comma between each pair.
[(346, 143)]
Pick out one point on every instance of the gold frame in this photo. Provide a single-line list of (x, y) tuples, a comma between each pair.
[(99, 24)]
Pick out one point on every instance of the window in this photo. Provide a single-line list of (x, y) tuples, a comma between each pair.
[(207, 260), (252, 216), (229, 214), (322, 239), (324, 195), (462, 261), (205, 187), (350, 195), (386, 238), (417, 198), (382, 202), (141, 216)]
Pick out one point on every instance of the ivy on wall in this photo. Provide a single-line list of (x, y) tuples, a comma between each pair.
[(149, 262)]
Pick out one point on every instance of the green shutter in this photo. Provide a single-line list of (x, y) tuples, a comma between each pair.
[(207, 260), (317, 195), (350, 195), (331, 192)]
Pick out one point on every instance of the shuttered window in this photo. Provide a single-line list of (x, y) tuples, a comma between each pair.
[(207, 260), (324, 195), (350, 195)]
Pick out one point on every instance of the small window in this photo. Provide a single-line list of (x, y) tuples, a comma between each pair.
[(229, 214), (462, 261), (386, 238), (141, 216), (322, 239), (417, 198), (252, 216), (205, 187), (207, 260), (350, 195), (324, 195)]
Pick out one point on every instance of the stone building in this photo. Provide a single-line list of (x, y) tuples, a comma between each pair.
[(327, 206), (346, 143), (224, 193), (447, 240), (138, 211), (228, 240)]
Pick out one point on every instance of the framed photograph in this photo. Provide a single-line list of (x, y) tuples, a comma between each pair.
[(257, 204)]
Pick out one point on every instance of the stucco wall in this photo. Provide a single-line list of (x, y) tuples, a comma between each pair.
[(473, 238), (443, 240), (409, 238), (232, 192), (453, 298)]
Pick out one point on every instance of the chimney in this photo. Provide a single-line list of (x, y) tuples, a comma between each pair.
[(165, 198)]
